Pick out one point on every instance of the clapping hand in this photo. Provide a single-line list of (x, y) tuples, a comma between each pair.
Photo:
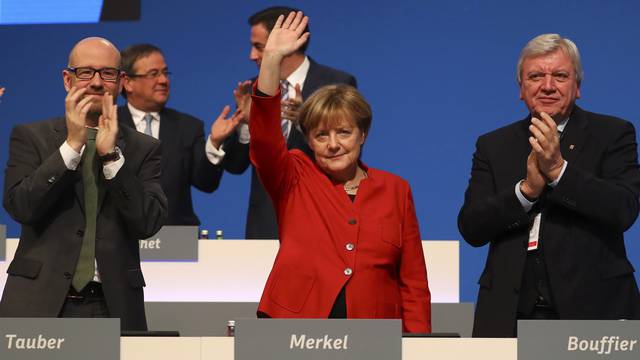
[(545, 142), (223, 126), (76, 109), (290, 108), (242, 95), (107, 126)]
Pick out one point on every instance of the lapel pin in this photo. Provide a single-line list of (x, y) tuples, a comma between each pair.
[(571, 147)]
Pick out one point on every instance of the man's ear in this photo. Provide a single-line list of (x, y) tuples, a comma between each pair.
[(66, 79), (126, 84), (121, 81)]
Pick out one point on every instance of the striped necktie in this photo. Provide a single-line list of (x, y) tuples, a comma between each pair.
[(284, 95)]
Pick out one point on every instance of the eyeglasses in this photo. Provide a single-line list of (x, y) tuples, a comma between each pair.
[(559, 76), (87, 73), (152, 74)]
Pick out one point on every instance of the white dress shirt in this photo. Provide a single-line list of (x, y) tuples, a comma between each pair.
[(298, 76), (214, 155)]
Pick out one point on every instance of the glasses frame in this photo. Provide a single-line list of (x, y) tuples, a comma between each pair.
[(152, 74), (74, 70)]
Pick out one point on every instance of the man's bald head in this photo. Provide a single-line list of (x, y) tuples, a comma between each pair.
[(92, 44), (94, 55)]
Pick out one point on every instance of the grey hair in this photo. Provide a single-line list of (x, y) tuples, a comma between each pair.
[(547, 43)]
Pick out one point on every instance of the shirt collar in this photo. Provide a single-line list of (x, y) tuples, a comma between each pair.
[(299, 75), (137, 114), (562, 125)]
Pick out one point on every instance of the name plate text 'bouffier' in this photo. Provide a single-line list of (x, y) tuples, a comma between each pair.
[(579, 339)]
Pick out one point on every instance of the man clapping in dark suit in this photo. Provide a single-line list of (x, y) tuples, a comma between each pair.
[(301, 76), (84, 190), (187, 158), (552, 195)]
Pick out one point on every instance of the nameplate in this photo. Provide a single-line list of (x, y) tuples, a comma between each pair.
[(3, 242), (318, 339), (171, 243), (47, 339), (579, 339)]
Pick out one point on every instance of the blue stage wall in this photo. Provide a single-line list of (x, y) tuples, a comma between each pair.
[(438, 74)]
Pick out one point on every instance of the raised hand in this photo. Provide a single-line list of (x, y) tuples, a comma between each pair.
[(286, 36), (107, 126), (545, 142), (76, 108), (223, 126), (290, 108), (242, 95)]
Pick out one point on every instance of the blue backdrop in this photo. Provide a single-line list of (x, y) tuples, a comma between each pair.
[(438, 74)]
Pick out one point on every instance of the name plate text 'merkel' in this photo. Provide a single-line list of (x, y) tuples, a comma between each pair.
[(318, 339)]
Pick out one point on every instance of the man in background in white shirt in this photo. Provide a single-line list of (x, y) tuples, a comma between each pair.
[(188, 158), (301, 76)]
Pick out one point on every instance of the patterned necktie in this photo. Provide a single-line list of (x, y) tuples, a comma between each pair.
[(148, 118), (284, 95), (85, 268)]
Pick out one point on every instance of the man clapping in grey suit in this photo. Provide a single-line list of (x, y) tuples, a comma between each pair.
[(84, 190)]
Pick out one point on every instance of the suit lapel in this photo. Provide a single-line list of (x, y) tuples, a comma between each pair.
[(124, 117), (574, 135), (311, 80), (59, 137), (169, 130)]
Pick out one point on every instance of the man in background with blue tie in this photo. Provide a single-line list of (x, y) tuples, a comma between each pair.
[(188, 158), (301, 76), (84, 191)]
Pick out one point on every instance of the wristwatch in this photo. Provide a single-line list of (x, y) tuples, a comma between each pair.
[(112, 156)]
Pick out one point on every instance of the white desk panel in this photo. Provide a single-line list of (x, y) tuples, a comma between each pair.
[(236, 270), (221, 348)]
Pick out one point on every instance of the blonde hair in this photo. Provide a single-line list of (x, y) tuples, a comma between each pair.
[(332, 104), (547, 43)]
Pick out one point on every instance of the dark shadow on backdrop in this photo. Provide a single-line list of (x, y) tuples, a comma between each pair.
[(120, 10)]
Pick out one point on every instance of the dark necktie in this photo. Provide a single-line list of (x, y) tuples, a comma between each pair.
[(85, 268)]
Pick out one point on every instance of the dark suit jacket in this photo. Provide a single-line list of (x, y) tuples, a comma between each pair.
[(48, 200), (184, 162), (583, 221), (261, 216)]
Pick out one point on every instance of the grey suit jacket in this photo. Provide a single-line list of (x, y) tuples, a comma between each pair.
[(261, 216), (47, 200)]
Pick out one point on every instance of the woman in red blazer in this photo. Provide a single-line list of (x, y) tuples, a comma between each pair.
[(349, 239)]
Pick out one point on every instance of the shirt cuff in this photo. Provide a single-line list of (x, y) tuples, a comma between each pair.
[(243, 133), (526, 204), (111, 169), (214, 155), (70, 157), (555, 182)]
